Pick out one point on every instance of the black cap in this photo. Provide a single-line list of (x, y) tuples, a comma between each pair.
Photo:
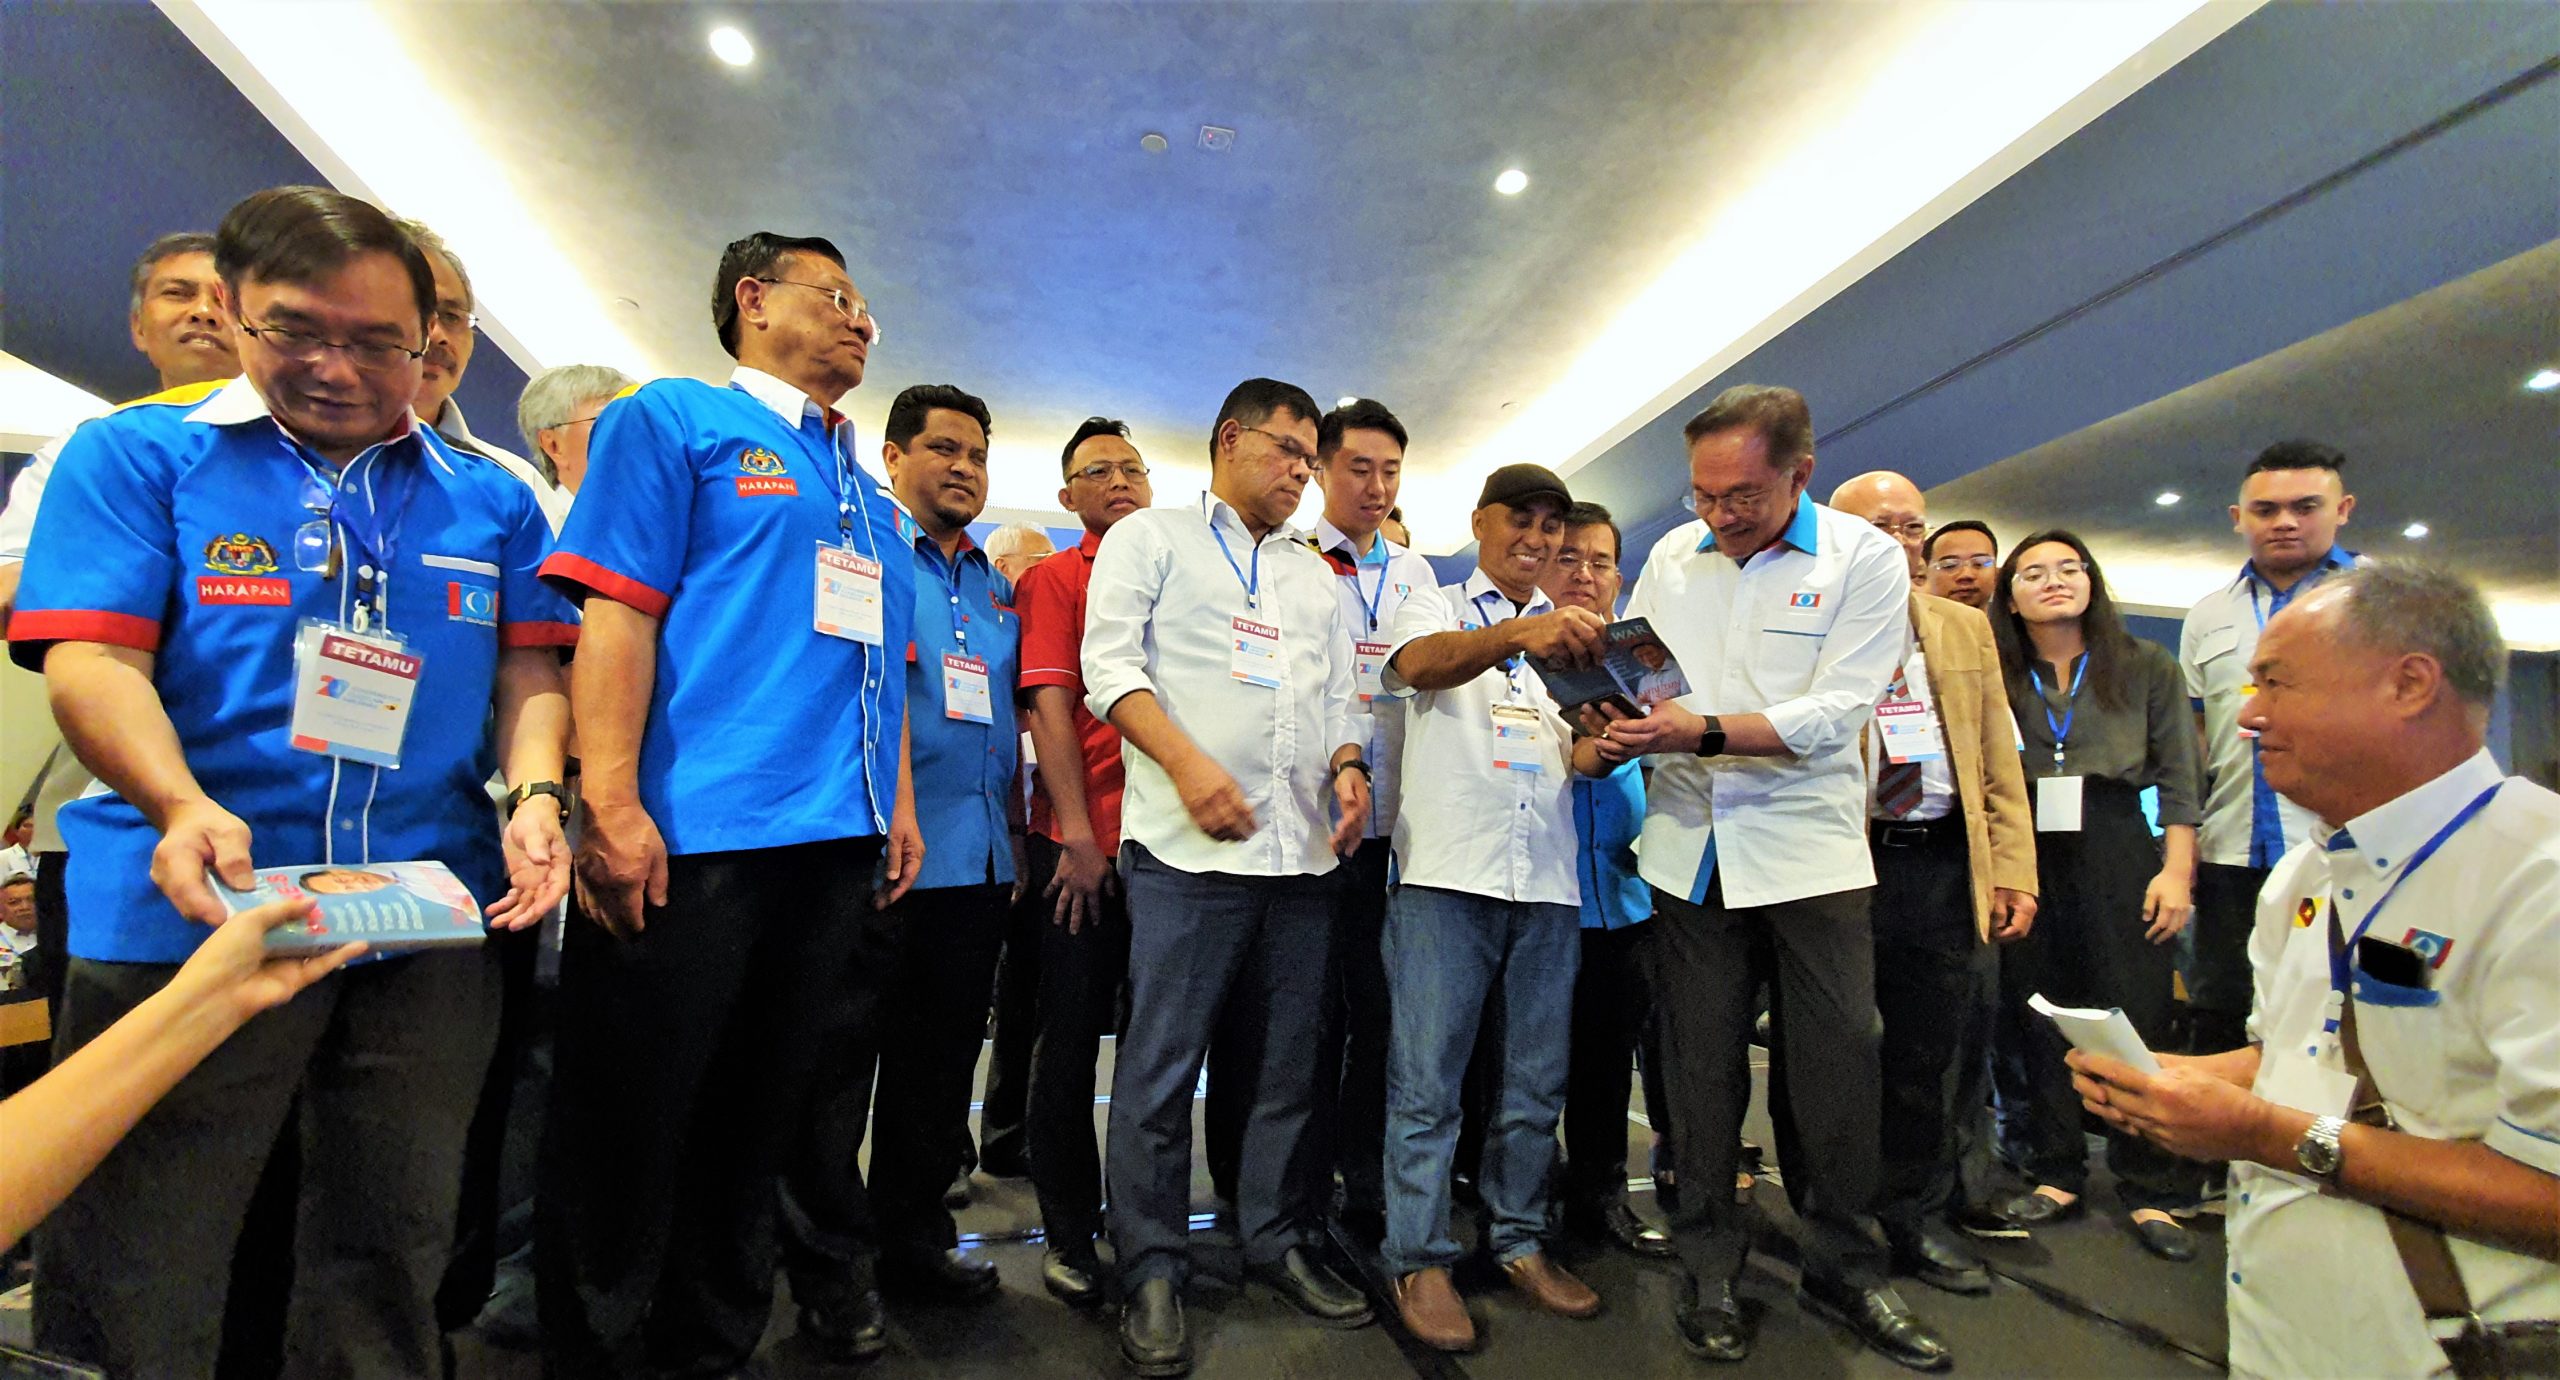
[(1514, 485)]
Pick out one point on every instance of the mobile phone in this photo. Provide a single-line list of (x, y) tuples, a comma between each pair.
[(2397, 964)]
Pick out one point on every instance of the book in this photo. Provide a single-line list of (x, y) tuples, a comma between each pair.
[(393, 907), (1635, 673), (2105, 1032)]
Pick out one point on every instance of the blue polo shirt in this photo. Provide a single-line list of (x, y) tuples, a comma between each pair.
[(170, 527), (1608, 813), (704, 507), (965, 770)]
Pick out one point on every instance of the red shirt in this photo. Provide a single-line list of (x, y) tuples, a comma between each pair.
[(1050, 600)]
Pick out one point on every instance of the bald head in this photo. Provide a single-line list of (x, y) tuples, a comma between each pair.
[(1893, 504)]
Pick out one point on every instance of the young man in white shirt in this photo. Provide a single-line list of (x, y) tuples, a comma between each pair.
[(1486, 915), (1212, 642), (2414, 937), (1791, 618)]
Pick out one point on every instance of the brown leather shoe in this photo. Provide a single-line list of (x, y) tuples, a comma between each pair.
[(1551, 1286), (1433, 1312)]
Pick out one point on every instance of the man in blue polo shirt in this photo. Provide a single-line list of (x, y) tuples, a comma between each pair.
[(740, 717), (208, 561), (942, 939)]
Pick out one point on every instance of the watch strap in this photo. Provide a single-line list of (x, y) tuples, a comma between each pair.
[(517, 797)]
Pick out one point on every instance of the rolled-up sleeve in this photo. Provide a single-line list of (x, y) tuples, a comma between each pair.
[(2176, 757), (1865, 643), (1128, 578)]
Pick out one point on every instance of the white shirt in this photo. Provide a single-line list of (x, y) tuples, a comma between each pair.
[(1481, 828), (1385, 578), (2215, 646), (2315, 1287), (550, 497), (1808, 633), (1159, 616), (1937, 783)]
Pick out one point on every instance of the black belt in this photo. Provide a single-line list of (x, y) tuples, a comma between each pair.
[(1946, 828)]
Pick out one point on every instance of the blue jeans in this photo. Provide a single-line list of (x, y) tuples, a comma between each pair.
[(1454, 960)]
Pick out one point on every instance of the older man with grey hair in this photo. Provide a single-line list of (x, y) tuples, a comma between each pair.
[(1018, 546), (2393, 1126), (558, 411)]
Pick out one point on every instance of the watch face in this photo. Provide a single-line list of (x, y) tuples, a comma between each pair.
[(2318, 1156)]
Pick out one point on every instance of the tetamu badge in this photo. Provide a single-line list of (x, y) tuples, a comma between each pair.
[(760, 471), (244, 573)]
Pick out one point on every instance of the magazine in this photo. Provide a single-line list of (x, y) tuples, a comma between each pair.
[(1635, 673), (390, 906)]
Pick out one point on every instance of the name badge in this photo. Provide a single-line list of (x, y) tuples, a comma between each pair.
[(849, 604), (1254, 655), (964, 690), (2058, 805), (1910, 732), (352, 693), (1517, 739), (1369, 669)]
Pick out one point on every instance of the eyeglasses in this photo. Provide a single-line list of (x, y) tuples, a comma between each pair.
[(1598, 567), (1949, 564), (1740, 502), (1289, 446), (457, 322), (854, 308), (302, 347), (2060, 570), (1102, 470), (1908, 531)]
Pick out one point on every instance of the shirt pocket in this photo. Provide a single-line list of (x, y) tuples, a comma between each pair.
[(1793, 624), (2216, 665)]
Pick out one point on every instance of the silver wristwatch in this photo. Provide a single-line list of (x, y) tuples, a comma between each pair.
[(2318, 1152)]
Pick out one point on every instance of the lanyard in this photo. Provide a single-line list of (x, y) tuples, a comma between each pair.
[(1510, 664), (362, 525), (2339, 958), (1371, 600), (843, 485), (1252, 585), (948, 575), (2062, 729), (2276, 601)]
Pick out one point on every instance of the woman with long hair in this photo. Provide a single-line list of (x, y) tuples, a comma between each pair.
[(2104, 717)]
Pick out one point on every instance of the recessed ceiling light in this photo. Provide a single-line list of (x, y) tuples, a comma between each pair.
[(1512, 182), (2544, 381), (2414, 531), (732, 46), (2167, 498), (1345, 401), (1154, 143)]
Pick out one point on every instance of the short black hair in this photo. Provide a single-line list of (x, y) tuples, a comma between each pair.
[(1929, 548), (1367, 413), (166, 247), (1253, 401), (907, 411), (1086, 430), (1778, 414), (755, 257), (2297, 455), (1593, 515), (299, 235)]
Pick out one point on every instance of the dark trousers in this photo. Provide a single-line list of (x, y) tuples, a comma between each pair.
[(1352, 1109), (1925, 944), (51, 965), (1243, 960), (680, 1084), (1080, 978), (1818, 958), (1004, 1133), (386, 1058), (1613, 1029), (2221, 984), (1979, 1181), (2088, 949), (473, 1271)]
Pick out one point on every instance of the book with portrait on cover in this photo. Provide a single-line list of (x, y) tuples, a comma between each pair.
[(391, 906)]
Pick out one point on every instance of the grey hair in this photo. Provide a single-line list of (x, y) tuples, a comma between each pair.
[(165, 247), (1011, 534), (2398, 607), (553, 398), (433, 243)]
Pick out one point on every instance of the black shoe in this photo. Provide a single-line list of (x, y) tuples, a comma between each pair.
[(1710, 1322), (2040, 1210), (1004, 1164), (952, 1276), (1152, 1338), (956, 1197), (1880, 1320), (1986, 1224), (1932, 1255), (1074, 1280), (1314, 1290), (2167, 1240), (1615, 1221), (848, 1327)]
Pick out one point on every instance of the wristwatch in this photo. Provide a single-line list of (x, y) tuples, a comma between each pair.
[(2318, 1151), (1711, 742), (1355, 764), (530, 789)]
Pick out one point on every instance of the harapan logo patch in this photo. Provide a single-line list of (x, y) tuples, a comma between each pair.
[(760, 471), (239, 554), (244, 567)]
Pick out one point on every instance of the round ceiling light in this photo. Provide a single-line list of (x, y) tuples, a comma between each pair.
[(2544, 380), (1344, 401), (732, 46), (1512, 182), (1154, 143), (2415, 531), (2167, 498)]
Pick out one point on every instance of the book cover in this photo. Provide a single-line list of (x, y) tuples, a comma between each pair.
[(392, 906), (1635, 673)]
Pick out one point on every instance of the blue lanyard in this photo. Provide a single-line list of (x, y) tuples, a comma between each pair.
[(2276, 601), (1253, 585), (1510, 664), (2339, 959), (843, 486), (2061, 730), (950, 581), (1371, 600)]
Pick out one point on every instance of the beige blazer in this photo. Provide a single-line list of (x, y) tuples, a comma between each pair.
[(1982, 748)]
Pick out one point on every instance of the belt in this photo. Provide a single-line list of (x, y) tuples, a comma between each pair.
[(1946, 828)]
